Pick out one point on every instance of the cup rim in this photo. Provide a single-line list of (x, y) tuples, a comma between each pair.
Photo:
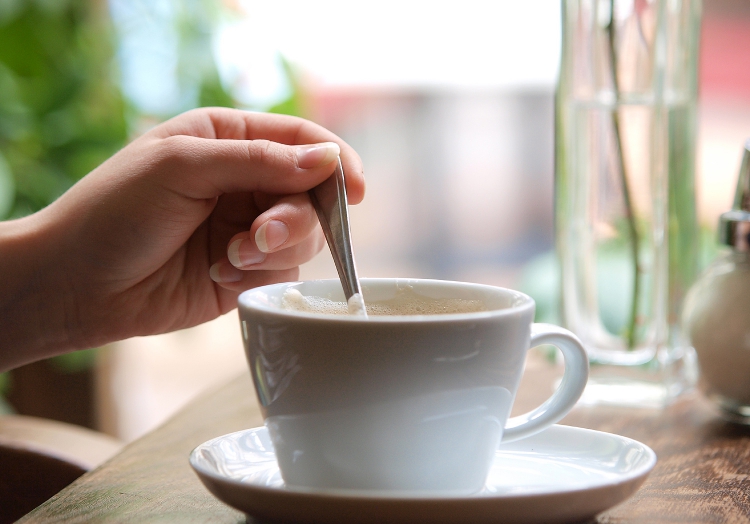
[(247, 301)]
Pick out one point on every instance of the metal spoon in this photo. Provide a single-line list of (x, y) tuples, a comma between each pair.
[(329, 200)]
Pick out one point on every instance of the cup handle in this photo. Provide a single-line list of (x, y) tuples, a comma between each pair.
[(567, 394)]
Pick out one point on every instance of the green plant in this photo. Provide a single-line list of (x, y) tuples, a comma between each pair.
[(61, 112), (630, 330), (182, 34)]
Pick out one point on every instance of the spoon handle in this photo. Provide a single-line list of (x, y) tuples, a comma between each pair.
[(329, 200)]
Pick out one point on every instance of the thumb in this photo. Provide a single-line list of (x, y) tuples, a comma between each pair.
[(207, 168)]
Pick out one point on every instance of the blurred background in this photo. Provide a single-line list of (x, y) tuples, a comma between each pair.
[(449, 104)]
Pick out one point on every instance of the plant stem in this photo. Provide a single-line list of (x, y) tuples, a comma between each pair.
[(629, 213)]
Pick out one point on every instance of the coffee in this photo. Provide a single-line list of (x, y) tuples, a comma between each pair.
[(406, 302)]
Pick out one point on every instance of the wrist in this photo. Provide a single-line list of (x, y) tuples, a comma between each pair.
[(32, 316)]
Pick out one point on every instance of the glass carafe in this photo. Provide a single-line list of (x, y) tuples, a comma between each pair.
[(625, 199)]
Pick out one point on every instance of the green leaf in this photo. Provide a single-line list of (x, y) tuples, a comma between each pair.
[(294, 105), (76, 361), (4, 383), (213, 94), (61, 112), (7, 188)]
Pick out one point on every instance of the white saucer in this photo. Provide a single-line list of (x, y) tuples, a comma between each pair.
[(562, 474)]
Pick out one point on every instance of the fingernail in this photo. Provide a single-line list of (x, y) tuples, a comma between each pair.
[(271, 235), (223, 273), (316, 155), (242, 253)]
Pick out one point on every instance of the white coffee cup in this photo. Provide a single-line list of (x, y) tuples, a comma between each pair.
[(407, 404)]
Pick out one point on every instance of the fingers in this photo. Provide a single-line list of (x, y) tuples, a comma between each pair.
[(245, 162), (224, 150), (203, 169), (283, 237), (289, 222), (226, 274)]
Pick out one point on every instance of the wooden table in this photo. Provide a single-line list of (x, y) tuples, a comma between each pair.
[(703, 472)]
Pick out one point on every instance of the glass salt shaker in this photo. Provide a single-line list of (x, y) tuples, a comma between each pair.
[(716, 314)]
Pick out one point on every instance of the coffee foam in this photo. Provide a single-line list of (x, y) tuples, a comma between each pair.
[(293, 300), (406, 302), (356, 305)]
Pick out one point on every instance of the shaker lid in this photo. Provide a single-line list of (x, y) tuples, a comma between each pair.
[(734, 225)]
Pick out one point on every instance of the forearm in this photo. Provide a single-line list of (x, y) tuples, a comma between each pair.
[(32, 310)]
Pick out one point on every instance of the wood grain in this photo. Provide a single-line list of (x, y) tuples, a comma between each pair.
[(703, 473), (151, 480)]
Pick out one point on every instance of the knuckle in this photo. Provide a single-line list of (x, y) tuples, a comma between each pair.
[(174, 151), (266, 152), (173, 160), (261, 152)]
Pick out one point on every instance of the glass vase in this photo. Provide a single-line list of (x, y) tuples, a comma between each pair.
[(626, 228)]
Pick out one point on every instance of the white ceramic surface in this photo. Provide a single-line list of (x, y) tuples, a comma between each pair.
[(560, 475), (411, 402)]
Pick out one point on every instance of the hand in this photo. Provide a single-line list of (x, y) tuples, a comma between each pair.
[(166, 233)]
